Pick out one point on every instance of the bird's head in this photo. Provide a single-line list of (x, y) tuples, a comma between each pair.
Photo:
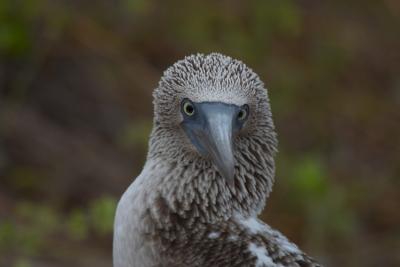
[(214, 108)]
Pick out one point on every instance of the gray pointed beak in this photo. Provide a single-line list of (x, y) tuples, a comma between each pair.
[(216, 140), (212, 134)]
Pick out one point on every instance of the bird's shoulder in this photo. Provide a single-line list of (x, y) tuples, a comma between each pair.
[(133, 222)]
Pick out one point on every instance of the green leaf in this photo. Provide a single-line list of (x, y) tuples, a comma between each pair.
[(102, 213)]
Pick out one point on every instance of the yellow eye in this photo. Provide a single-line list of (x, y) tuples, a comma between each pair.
[(243, 113), (188, 108)]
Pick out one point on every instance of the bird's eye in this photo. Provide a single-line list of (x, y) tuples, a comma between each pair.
[(188, 107), (243, 113)]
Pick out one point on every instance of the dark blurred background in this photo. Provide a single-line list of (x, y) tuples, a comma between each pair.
[(76, 79)]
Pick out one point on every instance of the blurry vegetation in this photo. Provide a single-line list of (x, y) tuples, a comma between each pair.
[(325, 204), (75, 112), (34, 228)]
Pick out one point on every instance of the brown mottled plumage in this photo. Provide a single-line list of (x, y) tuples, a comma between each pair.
[(181, 211)]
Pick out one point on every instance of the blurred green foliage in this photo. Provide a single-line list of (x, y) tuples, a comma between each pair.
[(14, 28), (314, 193), (136, 134), (102, 215), (34, 227)]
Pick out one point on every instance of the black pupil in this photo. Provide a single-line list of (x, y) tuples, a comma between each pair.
[(241, 114), (189, 109)]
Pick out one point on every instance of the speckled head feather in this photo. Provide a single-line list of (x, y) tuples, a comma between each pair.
[(208, 78), (211, 78)]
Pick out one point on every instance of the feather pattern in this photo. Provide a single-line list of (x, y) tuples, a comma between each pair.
[(180, 211)]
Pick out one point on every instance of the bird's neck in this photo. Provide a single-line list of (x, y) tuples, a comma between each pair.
[(195, 190)]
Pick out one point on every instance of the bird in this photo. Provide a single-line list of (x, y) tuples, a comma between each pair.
[(208, 172)]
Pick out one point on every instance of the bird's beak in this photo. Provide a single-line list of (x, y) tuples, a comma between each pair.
[(212, 134)]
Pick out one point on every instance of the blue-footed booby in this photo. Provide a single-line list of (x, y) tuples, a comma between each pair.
[(209, 169)]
